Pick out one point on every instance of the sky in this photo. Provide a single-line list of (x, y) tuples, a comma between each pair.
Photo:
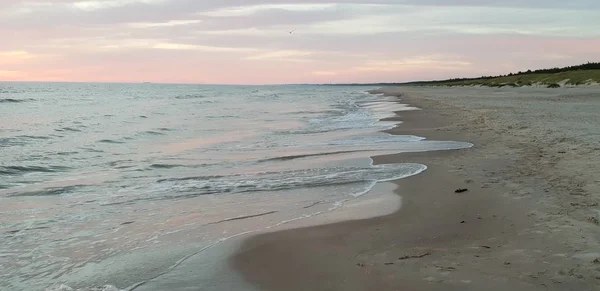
[(249, 42)]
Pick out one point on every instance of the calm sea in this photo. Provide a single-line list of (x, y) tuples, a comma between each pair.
[(118, 183)]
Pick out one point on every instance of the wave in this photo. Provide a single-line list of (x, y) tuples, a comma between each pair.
[(293, 157), (92, 150), (268, 96), (243, 217), (55, 191), (20, 170), (189, 187), (165, 166), (20, 140), (190, 96), (33, 137), (314, 112), (194, 178), (189, 166), (152, 132), (12, 100), (224, 117), (66, 153), (10, 141), (310, 131), (110, 141), (68, 129), (170, 166), (122, 164)]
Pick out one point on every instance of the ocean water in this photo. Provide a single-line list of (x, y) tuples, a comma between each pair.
[(120, 183)]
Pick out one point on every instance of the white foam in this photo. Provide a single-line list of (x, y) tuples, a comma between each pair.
[(278, 181)]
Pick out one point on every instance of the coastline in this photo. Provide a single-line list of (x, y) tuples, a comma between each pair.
[(489, 237)]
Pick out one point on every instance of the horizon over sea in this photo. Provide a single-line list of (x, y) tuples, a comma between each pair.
[(7, 83), (119, 183)]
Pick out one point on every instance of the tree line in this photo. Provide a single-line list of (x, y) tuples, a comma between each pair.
[(586, 66)]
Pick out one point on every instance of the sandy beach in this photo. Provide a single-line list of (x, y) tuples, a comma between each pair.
[(529, 220)]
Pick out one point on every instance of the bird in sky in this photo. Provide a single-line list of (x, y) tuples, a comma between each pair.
[(292, 31)]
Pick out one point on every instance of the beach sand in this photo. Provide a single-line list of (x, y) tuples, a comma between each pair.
[(527, 222)]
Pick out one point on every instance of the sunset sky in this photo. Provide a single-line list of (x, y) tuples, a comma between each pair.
[(247, 42)]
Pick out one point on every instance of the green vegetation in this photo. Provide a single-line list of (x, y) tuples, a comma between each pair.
[(573, 75)]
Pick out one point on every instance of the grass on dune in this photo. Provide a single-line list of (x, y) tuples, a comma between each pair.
[(583, 74), (579, 77)]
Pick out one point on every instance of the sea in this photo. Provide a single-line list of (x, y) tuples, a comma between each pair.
[(116, 186)]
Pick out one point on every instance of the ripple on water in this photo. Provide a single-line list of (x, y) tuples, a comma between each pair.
[(152, 132), (20, 170), (111, 141), (54, 191), (67, 129), (14, 100), (21, 140)]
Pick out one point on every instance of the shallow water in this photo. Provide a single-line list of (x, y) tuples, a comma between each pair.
[(116, 183)]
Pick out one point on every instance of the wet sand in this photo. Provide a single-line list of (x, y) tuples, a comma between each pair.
[(527, 222)]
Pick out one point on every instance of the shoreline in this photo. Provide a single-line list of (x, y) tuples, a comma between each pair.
[(438, 240)]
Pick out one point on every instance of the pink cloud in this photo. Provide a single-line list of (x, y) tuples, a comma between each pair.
[(199, 42)]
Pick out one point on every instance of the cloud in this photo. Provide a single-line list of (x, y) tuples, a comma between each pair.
[(240, 32), (427, 61), (280, 55), (325, 73), (100, 47), (8, 75), (107, 4), (163, 24), (464, 20), (334, 39), (16, 54), (253, 9), (193, 47), (17, 57)]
